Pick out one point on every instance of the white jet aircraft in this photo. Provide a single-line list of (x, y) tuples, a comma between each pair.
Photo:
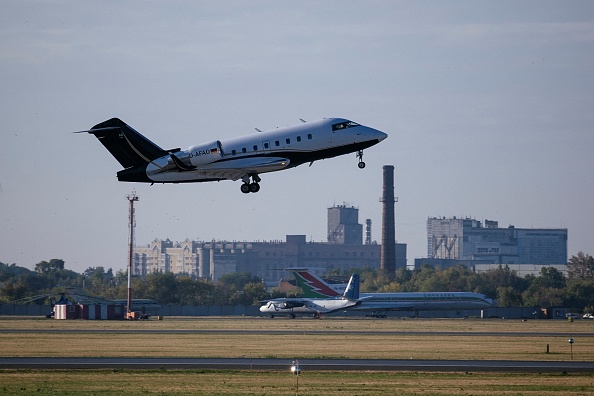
[(242, 158), (291, 306)]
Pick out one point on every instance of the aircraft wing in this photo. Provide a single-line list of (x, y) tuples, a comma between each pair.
[(234, 169), (293, 303), (287, 303), (225, 169)]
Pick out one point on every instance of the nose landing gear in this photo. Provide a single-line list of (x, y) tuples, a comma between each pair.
[(252, 187), (361, 164)]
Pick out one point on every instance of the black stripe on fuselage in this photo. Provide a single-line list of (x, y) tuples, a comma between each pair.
[(297, 157)]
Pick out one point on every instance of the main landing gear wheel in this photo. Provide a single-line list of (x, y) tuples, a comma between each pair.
[(361, 164), (248, 187)]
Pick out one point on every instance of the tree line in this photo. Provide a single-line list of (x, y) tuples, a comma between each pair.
[(549, 288)]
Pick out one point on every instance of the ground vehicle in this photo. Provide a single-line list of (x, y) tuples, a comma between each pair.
[(588, 316), (572, 315)]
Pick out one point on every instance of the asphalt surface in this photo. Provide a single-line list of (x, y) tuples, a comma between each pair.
[(285, 364), (290, 332)]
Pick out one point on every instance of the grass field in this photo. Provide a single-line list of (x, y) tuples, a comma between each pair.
[(301, 338), (175, 382)]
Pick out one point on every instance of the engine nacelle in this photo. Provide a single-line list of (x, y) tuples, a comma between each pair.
[(204, 153)]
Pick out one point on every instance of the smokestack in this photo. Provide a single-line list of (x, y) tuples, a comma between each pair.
[(388, 248)]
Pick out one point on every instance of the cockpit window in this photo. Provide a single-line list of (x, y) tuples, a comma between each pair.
[(344, 125)]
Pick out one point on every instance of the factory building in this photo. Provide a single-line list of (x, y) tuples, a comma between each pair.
[(343, 225), (213, 259), (469, 241)]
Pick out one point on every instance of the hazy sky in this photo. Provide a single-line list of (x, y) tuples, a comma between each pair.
[(489, 107)]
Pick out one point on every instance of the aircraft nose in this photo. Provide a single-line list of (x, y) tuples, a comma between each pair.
[(370, 134), (379, 135)]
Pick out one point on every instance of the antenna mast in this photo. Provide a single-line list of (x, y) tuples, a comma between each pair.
[(131, 199)]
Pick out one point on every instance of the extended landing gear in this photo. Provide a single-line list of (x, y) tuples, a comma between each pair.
[(252, 187), (361, 164)]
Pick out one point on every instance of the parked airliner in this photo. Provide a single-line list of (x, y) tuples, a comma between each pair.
[(290, 306), (242, 158), (378, 303)]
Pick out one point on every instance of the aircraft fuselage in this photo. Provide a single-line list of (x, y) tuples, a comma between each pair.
[(238, 158)]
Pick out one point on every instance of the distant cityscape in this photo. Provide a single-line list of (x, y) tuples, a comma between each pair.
[(450, 241)]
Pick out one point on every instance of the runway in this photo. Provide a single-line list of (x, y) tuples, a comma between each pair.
[(284, 364), (292, 332)]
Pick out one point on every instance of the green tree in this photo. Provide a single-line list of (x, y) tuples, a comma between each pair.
[(421, 279), (253, 293), (502, 277), (580, 295), (546, 289), (507, 296), (222, 294), (45, 268), (187, 290), (550, 277), (8, 271), (580, 267), (162, 287), (16, 289), (543, 296), (239, 279)]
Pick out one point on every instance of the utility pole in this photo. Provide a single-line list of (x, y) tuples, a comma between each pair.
[(131, 199)]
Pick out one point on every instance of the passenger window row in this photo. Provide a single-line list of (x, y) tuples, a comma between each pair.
[(276, 143)]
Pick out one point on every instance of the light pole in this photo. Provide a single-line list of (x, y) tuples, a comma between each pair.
[(131, 198), (296, 369)]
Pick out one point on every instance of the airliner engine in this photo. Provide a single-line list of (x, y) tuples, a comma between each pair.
[(205, 153)]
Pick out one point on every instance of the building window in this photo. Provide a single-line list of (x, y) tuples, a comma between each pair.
[(244, 150), (233, 152), (277, 143), (255, 147), (309, 136), (288, 141), (298, 138)]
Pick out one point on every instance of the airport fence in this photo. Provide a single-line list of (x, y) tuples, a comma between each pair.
[(250, 310), (165, 310)]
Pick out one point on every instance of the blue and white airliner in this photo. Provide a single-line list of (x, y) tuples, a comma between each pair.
[(379, 303), (242, 158)]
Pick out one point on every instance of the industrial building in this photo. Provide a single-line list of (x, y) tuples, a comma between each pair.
[(212, 259), (468, 241)]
